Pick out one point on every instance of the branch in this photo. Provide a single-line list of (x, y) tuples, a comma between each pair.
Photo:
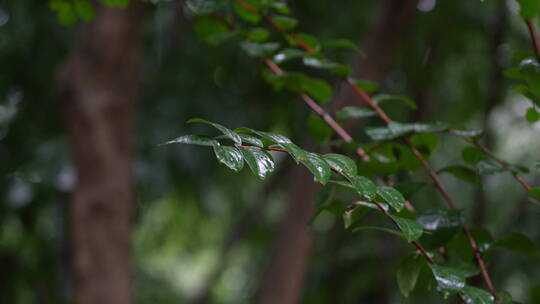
[(491, 155), (534, 37), (382, 114)]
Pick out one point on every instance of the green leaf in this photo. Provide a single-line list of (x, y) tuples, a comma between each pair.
[(532, 115), (394, 232), (65, 12), (442, 226), (475, 134), (319, 128), (211, 31), (411, 229), (317, 166), (365, 187), (392, 197), (255, 49), (286, 23), (319, 89), (287, 54), (117, 3), (460, 246), (229, 156), (341, 43), (466, 269), (397, 129), (258, 34), (228, 133), (535, 192), (259, 161), (472, 155), (341, 163), (84, 9), (355, 112), (427, 140), (307, 39), (319, 63), (409, 188), (365, 85), (475, 295), (449, 280), (463, 173), (518, 243), (488, 168), (407, 273), (247, 14), (250, 139), (529, 8), (530, 70), (192, 140), (282, 8), (389, 97)]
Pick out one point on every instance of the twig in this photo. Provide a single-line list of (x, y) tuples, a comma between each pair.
[(491, 155), (534, 37)]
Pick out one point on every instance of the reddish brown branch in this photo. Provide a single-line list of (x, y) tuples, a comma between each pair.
[(534, 37), (491, 155)]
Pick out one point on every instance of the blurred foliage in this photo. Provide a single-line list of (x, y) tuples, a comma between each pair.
[(187, 204)]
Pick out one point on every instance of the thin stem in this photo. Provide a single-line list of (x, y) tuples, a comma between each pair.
[(534, 37), (491, 155)]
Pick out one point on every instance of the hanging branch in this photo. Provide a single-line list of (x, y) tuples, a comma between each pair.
[(382, 114), (534, 37)]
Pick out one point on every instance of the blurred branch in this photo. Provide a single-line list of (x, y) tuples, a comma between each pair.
[(534, 37)]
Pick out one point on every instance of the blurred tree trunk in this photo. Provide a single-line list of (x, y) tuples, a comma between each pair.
[(284, 277), (97, 91)]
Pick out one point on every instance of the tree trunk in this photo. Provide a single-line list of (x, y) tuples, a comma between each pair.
[(97, 90)]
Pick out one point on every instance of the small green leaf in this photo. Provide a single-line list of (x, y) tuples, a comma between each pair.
[(211, 31), (319, 63), (318, 167), (475, 134), (192, 140), (463, 173), (258, 34), (442, 226), (488, 168), (532, 115), (475, 295), (410, 228), (286, 23), (319, 89), (259, 161), (472, 155), (341, 43), (535, 192), (407, 273), (250, 139), (394, 232), (247, 14), (355, 112), (287, 54), (341, 163), (518, 243), (259, 49), (389, 97), (427, 140), (449, 280), (365, 187), (319, 128), (392, 197), (229, 156), (365, 85), (65, 12), (228, 133), (307, 39), (84, 9), (397, 129), (282, 8)]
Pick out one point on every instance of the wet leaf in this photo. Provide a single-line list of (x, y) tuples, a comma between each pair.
[(407, 273), (441, 224), (229, 133), (192, 140), (389, 97), (259, 161), (365, 187), (229, 156), (488, 168), (287, 23), (392, 197), (319, 63), (355, 112), (255, 49), (341, 163), (475, 295), (449, 280), (287, 54), (317, 166), (410, 228)]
